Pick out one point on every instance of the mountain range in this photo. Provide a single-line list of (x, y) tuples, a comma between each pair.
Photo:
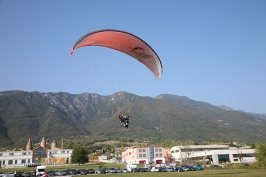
[(93, 117)]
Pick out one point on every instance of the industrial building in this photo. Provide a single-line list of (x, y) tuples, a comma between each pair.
[(212, 154), (39, 155)]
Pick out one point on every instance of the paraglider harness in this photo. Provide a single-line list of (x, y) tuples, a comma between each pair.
[(124, 120)]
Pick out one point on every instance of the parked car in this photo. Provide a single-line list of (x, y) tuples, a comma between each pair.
[(27, 174), (155, 169), (144, 170), (198, 167), (162, 169), (90, 171), (118, 170), (101, 171), (6, 175), (169, 169), (135, 169), (111, 170), (50, 173), (83, 172), (178, 169), (124, 170), (72, 171), (45, 175), (60, 173), (67, 172), (18, 174), (191, 168), (150, 167), (10, 174)]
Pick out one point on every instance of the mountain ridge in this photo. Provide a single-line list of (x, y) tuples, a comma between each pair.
[(61, 114)]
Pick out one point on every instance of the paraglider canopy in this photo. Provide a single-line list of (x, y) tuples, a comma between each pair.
[(123, 42)]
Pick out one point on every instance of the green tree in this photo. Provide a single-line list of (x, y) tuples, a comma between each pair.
[(260, 153), (253, 146), (79, 155)]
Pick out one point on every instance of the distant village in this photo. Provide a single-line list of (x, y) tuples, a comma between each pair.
[(147, 155)]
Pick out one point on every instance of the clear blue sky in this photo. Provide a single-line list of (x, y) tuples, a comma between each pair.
[(211, 50)]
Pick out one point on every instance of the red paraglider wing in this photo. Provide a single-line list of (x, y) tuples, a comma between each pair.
[(126, 43)]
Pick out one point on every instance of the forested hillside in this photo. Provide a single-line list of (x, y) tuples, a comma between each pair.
[(94, 117)]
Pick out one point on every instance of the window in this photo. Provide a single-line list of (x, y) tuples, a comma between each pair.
[(171, 151), (23, 161), (235, 155), (16, 161), (160, 149), (1, 154), (144, 155), (176, 150), (11, 154), (143, 150), (156, 150), (38, 154), (67, 151), (29, 153), (10, 162), (243, 155), (223, 157), (156, 155), (140, 155), (160, 155), (28, 160), (140, 150), (129, 153), (249, 155), (235, 160), (62, 152), (24, 153)]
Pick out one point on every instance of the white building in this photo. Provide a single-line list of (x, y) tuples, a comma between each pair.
[(213, 154), (15, 158), (39, 155), (33, 157)]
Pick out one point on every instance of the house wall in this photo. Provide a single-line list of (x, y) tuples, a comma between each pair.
[(24, 158), (233, 154), (9, 158), (144, 155)]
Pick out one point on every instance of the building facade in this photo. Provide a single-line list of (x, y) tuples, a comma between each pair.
[(39, 155), (211, 154), (144, 155), (15, 158)]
